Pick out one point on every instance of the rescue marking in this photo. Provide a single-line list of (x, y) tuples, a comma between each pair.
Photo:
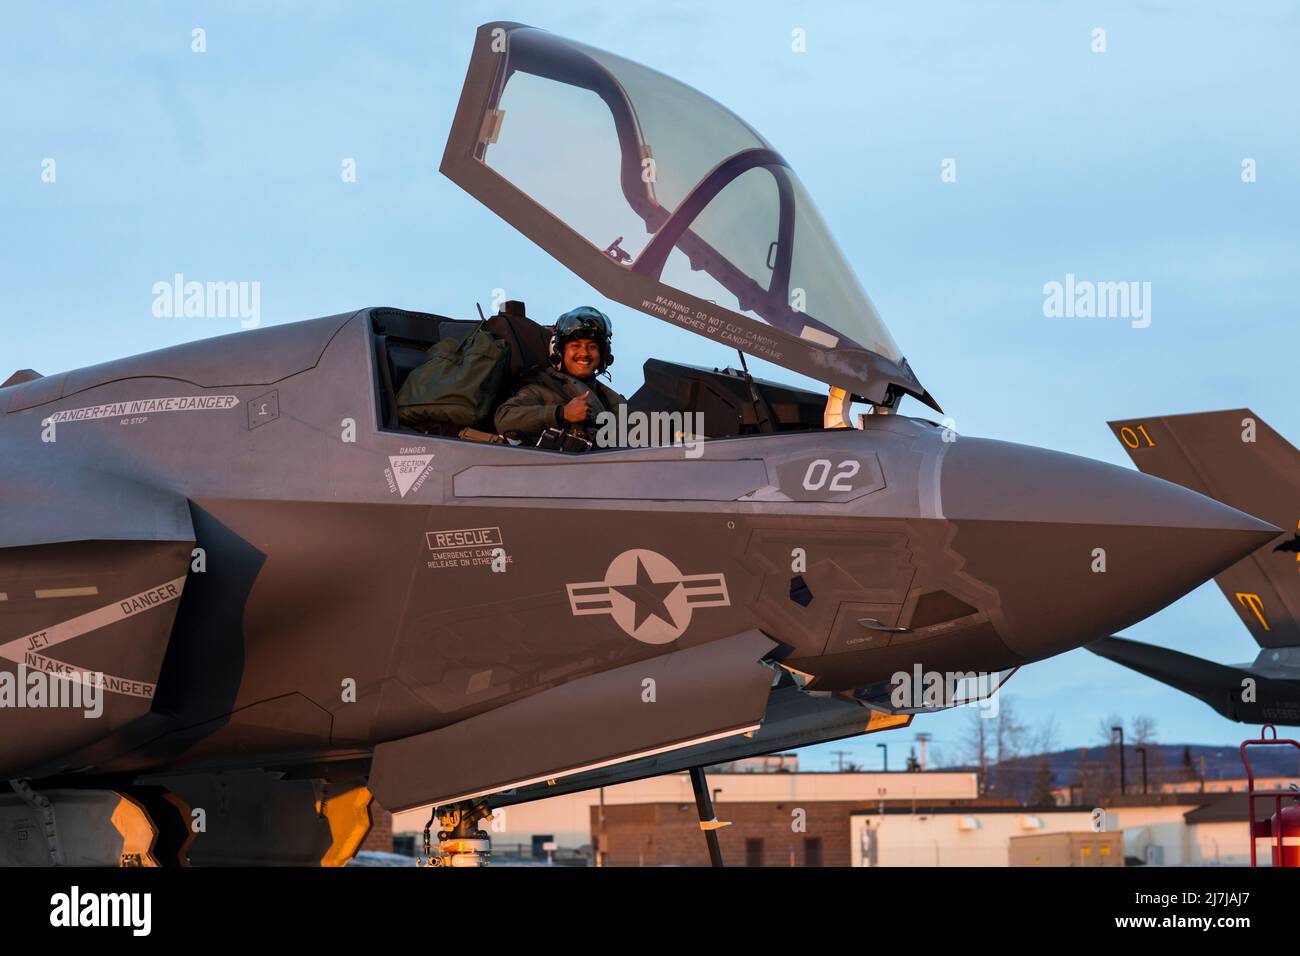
[(465, 548), (466, 537), (179, 403), (648, 596)]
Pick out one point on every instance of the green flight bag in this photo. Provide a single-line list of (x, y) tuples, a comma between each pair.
[(457, 385)]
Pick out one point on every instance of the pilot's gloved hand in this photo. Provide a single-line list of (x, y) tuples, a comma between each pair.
[(576, 411)]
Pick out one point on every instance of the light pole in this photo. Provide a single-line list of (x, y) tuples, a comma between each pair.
[(885, 748)]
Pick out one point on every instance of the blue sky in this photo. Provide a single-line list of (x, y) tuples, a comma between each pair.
[(1122, 165)]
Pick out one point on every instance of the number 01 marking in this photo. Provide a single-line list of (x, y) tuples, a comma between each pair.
[(814, 479), (1130, 438)]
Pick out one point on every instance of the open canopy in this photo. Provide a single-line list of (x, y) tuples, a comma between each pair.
[(664, 200)]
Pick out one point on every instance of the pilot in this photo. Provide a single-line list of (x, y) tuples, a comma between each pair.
[(559, 405)]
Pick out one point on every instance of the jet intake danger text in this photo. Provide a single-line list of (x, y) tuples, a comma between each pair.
[(144, 406)]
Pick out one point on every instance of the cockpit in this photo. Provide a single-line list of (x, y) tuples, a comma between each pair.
[(721, 403)]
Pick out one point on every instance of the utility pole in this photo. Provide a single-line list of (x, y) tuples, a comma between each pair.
[(1083, 772), (841, 754), (1120, 731)]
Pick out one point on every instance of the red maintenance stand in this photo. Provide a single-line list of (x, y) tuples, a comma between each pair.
[(1285, 821)]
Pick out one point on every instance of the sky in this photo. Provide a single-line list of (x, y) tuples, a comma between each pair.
[(1117, 165)]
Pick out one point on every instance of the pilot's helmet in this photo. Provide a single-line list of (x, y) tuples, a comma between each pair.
[(584, 322)]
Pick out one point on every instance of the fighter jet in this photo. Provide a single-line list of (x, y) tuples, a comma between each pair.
[(292, 604), (1234, 457)]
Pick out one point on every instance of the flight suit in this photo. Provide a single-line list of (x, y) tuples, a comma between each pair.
[(539, 404)]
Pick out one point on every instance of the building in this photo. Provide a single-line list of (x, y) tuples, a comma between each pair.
[(759, 833), (1156, 830), (567, 820), (1231, 785), (861, 819)]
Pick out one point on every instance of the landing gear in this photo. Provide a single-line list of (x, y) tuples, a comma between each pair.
[(44, 811), (460, 841)]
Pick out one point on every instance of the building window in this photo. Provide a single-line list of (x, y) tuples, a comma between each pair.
[(754, 851), (812, 851)]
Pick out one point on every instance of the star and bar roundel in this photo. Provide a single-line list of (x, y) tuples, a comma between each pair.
[(648, 596)]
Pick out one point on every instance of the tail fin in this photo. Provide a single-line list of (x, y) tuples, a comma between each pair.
[(21, 376), (1236, 458)]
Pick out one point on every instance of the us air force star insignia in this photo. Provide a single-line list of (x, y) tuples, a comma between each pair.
[(648, 597)]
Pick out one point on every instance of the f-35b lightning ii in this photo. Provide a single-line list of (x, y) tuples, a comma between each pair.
[(296, 604)]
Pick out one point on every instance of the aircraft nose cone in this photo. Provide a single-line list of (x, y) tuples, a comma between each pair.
[(1077, 549)]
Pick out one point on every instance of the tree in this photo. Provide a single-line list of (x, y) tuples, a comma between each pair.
[(913, 765), (1105, 776), (1010, 744), (1042, 793), (1011, 756), (1142, 730)]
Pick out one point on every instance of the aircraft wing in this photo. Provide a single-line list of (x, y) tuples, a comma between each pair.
[(1236, 458), (678, 700)]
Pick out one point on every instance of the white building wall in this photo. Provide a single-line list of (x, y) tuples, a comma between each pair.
[(972, 838), (1225, 844), (947, 839), (1161, 828)]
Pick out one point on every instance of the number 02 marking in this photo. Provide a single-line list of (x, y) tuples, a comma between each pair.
[(814, 479)]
